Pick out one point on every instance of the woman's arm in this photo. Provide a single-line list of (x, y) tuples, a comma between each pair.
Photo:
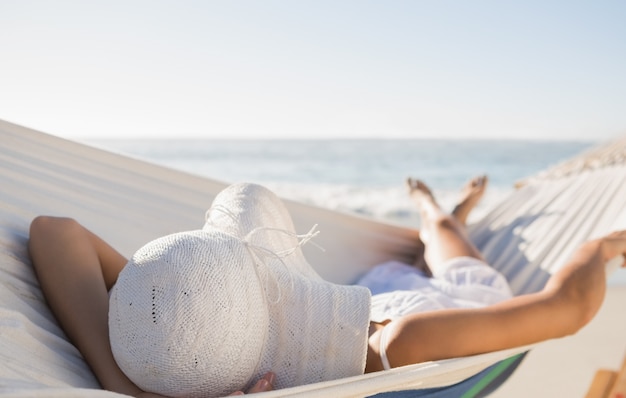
[(75, 269), (570, 299)]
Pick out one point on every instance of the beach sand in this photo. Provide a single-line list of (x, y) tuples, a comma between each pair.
[(565, 367)]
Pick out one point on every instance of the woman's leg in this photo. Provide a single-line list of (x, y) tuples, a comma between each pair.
[(420, 261), (471, 194), (444, 235), (76, 269)]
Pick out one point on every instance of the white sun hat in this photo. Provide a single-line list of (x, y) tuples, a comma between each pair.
[(208, 312)]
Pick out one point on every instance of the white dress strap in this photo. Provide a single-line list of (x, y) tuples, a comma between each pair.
[(384, 335)]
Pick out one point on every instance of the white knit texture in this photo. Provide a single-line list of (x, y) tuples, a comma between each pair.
[(205, 313)]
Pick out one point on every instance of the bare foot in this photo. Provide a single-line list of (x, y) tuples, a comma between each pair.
[(422, 196), (471, 194), (427, 205)]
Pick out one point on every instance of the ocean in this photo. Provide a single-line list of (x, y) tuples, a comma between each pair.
[(365, 177), (360, 176)]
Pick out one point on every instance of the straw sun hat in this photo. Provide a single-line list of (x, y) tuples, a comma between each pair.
[(208, 312)]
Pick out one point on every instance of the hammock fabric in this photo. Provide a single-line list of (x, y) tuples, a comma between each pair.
[(129, 202)]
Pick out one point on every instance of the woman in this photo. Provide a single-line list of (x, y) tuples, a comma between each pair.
[(77, 269)]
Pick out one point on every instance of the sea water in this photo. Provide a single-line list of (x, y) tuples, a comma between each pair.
[(366, 177)]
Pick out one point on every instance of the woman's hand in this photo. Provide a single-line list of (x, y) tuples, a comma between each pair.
[(265, 383), (144, 394), (613, 245)]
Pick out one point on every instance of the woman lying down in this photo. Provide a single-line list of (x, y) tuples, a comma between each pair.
[(235, 306)]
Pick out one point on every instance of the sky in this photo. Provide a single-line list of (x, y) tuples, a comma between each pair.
[(315, 69)]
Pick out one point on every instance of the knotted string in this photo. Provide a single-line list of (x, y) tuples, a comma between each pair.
[(221, 208), (258, 252)]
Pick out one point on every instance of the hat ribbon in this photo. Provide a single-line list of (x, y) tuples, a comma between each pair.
[(259, 251)]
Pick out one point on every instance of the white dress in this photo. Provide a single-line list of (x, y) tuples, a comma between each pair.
[(464, 282), (399, 289)]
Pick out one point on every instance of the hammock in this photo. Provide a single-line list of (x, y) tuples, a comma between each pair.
[(129, 202)]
